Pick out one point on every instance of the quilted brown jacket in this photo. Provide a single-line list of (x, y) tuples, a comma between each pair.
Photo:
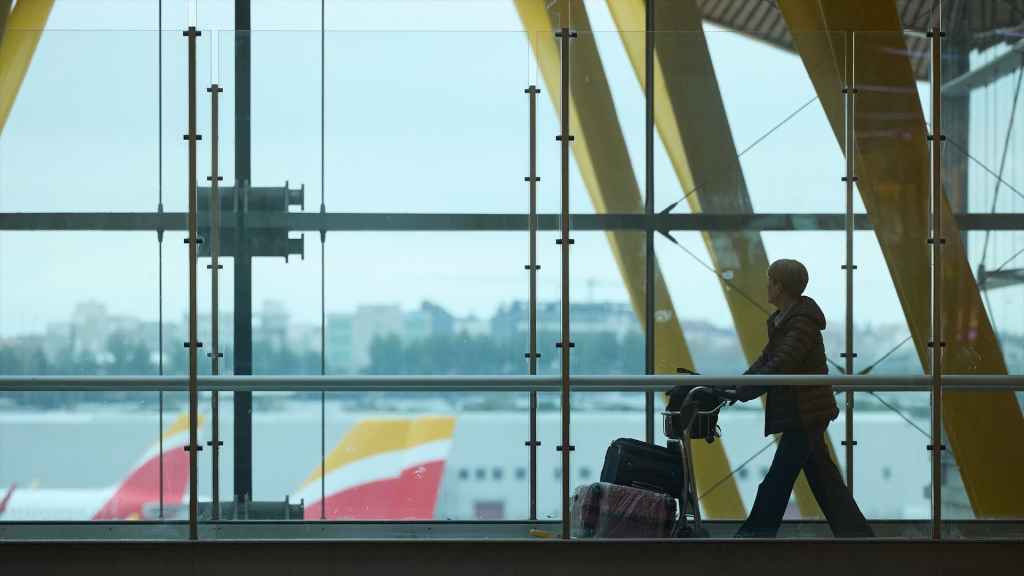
[(794, 346)]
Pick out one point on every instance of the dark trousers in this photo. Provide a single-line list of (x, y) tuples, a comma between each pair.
[(804, 450)]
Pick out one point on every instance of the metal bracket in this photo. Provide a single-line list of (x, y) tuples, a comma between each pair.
[(532, 178), (198, 344), (942, 137), (215, 88), (850, 179), (160, 230), (210, 442), (845, 443), (845, 355), (559, 241), (932, 240), (559, 448), (931, 447), (537, 355), (210, 266), (931, 33), (199, 448), (533, 267), (189, 137), (532, 443), (559, 344), (532, 90), (572, 34), (191, 32), (323, 228), (210, 178), (199, 240), (570, 137), (849, 266), (931, 344), (850, 90), (211, 354)]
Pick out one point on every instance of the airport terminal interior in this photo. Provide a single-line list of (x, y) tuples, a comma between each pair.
[(382, 284)]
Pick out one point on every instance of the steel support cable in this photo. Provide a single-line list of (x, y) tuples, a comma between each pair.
[(757, 141), (737, 469), (1007, 261), (883, 358), (732, 286), (865, 371), (773, 441), (982, 165), (1002, 162)]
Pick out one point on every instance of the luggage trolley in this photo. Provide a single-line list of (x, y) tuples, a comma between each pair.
[(692, 412)]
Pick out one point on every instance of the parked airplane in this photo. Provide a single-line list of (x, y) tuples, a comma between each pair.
[(124, 501), (424, 467), (382, 469)]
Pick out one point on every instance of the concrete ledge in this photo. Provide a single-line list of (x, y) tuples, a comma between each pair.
[(302, 530), (493, 558)]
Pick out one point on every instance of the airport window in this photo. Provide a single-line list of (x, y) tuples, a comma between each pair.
[(412, 375)]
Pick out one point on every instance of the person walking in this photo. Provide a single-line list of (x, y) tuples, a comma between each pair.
[(799, 414)]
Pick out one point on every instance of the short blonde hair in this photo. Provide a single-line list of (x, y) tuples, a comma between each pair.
[(790, 274)]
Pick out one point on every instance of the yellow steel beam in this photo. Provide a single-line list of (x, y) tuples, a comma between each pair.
[(984, 428), (24, 27), (5, 10), (600, 151), (691, 120)]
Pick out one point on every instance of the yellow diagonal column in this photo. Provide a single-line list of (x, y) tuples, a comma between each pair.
[(600, 151), (984, 428), (5, 11), (690, 117), (24, 27)]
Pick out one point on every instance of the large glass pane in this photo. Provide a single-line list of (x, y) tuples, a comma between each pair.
[(786, 142), (272, 272), (80, 136), (606, 261), (80, 315), (891, 288), (982, 288), (424, 122), (423, 456)]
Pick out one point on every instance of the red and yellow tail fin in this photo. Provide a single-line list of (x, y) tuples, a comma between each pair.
[(142, 485), (383, 469)]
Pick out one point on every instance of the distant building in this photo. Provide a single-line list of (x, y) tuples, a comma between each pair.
[(584, 317)]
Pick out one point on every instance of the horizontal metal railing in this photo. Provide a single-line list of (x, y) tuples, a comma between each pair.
[(466, 222), (496, 383)]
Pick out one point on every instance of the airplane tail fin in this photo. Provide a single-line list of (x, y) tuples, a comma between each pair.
[(382, 469), (142, 485)]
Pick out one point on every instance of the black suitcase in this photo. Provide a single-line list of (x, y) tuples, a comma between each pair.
[(630, 462)]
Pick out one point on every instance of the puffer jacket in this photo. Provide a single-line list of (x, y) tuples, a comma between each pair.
[(794, 346)]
